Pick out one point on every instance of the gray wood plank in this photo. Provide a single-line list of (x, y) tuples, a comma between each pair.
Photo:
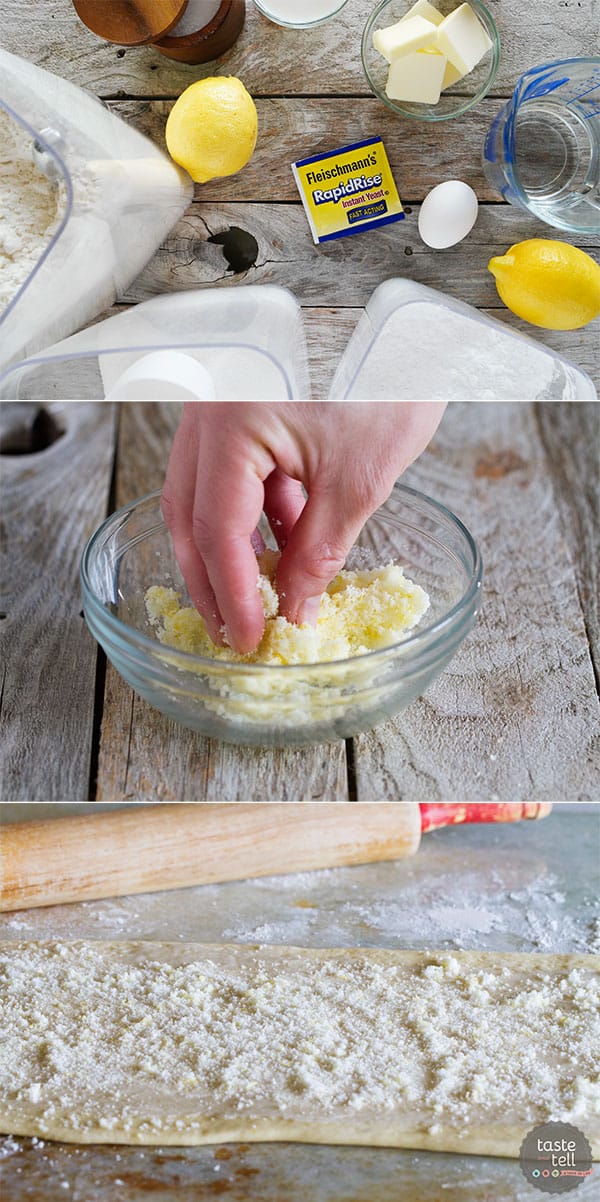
[(328, 332), (274, 61), (571, 436), (144, 756), (52, 501), (342, 273), (515, 715)]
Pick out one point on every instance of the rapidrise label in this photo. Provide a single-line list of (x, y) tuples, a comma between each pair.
[(349, 190)]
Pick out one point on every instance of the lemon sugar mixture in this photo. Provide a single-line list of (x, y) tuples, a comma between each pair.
[(360, 611)]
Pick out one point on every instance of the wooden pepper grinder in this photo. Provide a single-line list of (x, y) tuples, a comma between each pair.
[(207, 30), (190, 31)]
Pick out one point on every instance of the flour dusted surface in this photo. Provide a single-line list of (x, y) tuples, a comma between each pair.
[(30, 209), (360, 612), (183, 1044)]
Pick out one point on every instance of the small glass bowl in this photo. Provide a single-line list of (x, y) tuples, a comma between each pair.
[(272, 705), (458, 99)]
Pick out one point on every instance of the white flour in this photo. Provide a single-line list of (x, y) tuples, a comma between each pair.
[(30, 209), (472, 909)]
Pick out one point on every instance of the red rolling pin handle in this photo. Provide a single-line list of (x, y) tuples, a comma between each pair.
[(436, 814)]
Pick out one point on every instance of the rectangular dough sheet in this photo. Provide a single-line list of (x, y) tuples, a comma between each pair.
[(183, 1044)]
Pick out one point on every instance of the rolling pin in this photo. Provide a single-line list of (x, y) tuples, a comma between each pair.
[(148, 848)]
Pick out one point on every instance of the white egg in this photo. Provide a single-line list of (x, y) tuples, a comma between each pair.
[(447, 214)]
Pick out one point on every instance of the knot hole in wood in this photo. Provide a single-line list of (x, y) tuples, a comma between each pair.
[(27, 429)]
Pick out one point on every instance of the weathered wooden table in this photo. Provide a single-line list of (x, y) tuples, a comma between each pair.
[(514, 717), (312, 96)]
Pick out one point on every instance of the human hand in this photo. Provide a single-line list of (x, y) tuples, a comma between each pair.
[(230, 461)]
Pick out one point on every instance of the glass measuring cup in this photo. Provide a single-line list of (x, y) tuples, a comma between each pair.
[(542, 151)]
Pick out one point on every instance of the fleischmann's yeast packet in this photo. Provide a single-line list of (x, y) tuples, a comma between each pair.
[(349, 190)]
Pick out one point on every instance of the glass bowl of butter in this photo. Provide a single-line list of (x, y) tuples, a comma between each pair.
[(388, 626), (430, 60)]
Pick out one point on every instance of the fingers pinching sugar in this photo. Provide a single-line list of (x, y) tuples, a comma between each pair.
[(316, 551), (177, 503), (224, 522), (317, 470), (284, 502)]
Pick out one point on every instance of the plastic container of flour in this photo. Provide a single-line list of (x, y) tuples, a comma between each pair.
[(414, 343), (118, 195), (215, 343)]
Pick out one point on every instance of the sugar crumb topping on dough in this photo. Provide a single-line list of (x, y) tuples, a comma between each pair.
[(103, 1039), (360, 611)]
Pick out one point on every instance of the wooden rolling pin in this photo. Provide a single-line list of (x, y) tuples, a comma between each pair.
[(148, 848)]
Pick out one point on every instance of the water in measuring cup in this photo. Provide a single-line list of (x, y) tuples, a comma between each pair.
[(558, 156), (542, 151)]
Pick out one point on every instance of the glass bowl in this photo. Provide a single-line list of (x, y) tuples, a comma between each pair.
[(458, 99), (303, 22), (282, 705)]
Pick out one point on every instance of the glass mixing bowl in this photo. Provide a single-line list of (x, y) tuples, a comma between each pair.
[(273, 705), (458, 99)]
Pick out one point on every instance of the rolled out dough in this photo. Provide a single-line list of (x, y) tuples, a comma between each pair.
[(163, 1043)]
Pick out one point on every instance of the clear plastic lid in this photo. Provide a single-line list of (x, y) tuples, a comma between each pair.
[(249, 342), (414, 343), (118, 197)]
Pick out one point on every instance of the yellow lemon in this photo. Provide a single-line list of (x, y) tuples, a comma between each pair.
[(212, 128), (550, 284)]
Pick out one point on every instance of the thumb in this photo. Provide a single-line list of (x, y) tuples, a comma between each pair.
[(315, 552)]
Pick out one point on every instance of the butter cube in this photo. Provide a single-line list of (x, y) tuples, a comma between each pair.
[(426, 10), (452, 75), (417, 77), (463, 39), (405, 37)]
